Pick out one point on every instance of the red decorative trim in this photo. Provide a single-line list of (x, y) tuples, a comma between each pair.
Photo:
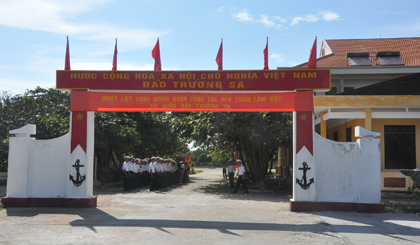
[(49, 202), (304, 130), (296, 206), (78, 130)]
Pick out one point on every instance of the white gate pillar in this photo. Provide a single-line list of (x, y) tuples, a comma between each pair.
[(304, 178), (80, 177)]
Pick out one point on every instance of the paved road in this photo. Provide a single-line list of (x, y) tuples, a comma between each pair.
[(202, 212)]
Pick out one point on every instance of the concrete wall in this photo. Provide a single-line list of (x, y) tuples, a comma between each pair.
[(37, 168), (378, 125), (47, 167), (348, 172)]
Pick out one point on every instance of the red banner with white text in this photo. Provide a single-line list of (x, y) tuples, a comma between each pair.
[(234, 81), (222, 102)]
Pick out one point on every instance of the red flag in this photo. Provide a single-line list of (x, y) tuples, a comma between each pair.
[(114, 61), (266, 56), (219, 57), (156, 56), (67, 62), (312, 57), (189, 159)]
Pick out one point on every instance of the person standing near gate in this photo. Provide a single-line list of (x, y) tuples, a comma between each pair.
[(231, 172), (153, 175), (126, 171), (224, 171), (241, 177)]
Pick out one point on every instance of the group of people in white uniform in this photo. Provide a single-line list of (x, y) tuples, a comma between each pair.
[(232, 167), (157, 172)]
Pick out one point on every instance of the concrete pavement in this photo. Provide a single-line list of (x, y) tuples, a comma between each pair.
[(201, 212)]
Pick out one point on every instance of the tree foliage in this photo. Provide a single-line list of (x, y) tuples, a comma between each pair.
[(137, 134), (256, 136), (48, 109)]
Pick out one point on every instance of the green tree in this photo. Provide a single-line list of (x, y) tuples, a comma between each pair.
[(48, 109), (256, 136), (137, 134)]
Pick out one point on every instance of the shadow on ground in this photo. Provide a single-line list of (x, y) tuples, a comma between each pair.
[(92, 218)]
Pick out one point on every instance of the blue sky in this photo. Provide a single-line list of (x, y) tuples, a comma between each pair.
[(33, 33)]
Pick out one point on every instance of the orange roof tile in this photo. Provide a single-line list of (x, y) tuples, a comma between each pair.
[(409, 50)]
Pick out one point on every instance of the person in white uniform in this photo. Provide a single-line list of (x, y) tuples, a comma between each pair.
[(241, 177)]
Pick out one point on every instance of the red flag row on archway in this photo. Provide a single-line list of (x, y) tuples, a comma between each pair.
[(219, 57)]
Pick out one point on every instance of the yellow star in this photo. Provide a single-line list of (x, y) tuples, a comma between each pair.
[(304, 117), (79, 116)]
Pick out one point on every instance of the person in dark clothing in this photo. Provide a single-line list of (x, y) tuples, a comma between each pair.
[(231, 172)]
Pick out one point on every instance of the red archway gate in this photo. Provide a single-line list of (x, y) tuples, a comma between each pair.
[(222, 91)]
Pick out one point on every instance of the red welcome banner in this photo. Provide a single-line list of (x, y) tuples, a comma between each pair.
[(222, 102), (267, 80)]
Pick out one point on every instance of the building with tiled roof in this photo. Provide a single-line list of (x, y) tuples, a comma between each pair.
[(335, 53), (375, 83), (376, 60)]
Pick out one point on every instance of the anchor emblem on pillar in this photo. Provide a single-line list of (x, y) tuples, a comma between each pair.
[(79, 178), (303, 182)]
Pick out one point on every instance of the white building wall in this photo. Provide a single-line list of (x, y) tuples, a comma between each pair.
[(348, 172), (47, 167), (17, 171), (337, 168), (37, 168)]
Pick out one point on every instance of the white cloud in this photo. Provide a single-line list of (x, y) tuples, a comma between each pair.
[(54, 16), (296, 20), (243, 16), (280, 19), (277, 57), (326, 16), (307, 18), (266, 22), (329, 16)]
